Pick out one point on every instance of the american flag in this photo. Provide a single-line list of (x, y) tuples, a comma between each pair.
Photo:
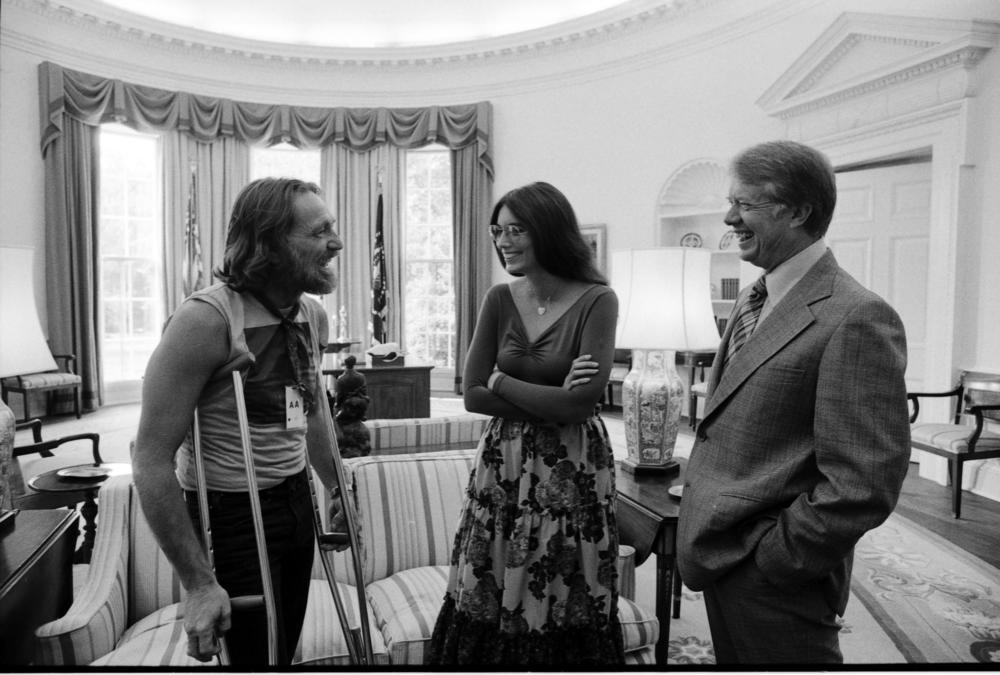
[(193, 275), (379, 314)]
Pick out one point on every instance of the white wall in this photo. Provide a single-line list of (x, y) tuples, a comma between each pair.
[(606, 119)]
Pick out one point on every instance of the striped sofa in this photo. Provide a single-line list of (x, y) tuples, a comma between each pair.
[(126, 614)]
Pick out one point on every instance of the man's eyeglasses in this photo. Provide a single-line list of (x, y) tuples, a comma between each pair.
[(744, 207), (513, 231)]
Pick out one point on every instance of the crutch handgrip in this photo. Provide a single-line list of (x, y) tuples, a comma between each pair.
[(245, 603), (331, 540)]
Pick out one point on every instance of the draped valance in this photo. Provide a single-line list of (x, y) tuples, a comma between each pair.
[(94, 100)]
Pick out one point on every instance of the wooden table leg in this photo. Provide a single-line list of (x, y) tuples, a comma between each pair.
[(677, 593), (664, 595)]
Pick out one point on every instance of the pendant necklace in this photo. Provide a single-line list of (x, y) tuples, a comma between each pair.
[(544, 308)]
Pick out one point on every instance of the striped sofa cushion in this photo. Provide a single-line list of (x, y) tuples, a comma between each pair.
[(322, 642), (409, 435), (408, 507), (157, 640), (407, 605)]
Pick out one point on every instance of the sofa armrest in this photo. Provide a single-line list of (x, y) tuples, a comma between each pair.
[(98, 616)]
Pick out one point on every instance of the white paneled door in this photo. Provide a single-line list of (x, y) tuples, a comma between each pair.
[(880, 234)]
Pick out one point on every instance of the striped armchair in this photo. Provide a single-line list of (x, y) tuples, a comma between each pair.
[(408, 504), (127, 611)]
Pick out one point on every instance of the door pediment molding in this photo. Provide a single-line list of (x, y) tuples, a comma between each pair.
[(862, 55)]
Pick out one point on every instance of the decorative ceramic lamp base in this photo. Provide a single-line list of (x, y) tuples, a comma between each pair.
[(652, 398)]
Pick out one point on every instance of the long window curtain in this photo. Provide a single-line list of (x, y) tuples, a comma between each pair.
[(221, 169), (472, 203), (71, 184), (90, 99), (356, 184)]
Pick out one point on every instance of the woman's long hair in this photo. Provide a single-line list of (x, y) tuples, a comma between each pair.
[(263, 216), (549, 219)]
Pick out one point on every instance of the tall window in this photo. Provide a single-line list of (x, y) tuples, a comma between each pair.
[(429, 293), (131, 233)]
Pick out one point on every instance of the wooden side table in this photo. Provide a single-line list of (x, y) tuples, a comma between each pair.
[(647, 521), (36, 578), (51, 481)]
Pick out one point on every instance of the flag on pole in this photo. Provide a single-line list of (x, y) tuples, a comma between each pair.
[(193, 276), (379, 280)]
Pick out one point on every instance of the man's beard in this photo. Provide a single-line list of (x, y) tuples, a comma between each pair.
[(307, 276)]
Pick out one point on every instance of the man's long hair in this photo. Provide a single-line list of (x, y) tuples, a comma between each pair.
[(262, 219), (551, 223)]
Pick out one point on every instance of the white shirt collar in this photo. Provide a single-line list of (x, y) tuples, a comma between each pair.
[(783, 278)]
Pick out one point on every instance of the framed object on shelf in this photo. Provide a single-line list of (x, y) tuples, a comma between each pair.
[(691, 240), (596, 237)]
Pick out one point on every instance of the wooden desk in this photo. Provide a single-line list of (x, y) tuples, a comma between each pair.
[(50, 481), (396, 392), (36, 578), (647, 521)]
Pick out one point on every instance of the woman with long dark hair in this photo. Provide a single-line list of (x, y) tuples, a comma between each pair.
[(533, 578)]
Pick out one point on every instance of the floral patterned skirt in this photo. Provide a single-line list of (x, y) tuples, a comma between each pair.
[(534, 576)]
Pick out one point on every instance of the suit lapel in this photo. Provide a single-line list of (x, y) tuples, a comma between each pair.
[(789, 318)]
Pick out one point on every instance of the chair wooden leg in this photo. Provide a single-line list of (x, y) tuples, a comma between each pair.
[(76, 401), (956, 484)]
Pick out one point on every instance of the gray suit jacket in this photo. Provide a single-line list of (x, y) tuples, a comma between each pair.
[(804, 442)]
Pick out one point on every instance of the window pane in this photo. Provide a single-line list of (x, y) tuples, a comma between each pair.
[(429, 291), (131, 230)]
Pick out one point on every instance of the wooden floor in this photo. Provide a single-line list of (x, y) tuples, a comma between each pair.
[(929, 504)]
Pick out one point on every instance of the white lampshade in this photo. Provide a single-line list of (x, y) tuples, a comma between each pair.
[(23, 348), (664, 299)]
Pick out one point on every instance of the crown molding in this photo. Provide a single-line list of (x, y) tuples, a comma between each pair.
[(645, 39), (113, 23)]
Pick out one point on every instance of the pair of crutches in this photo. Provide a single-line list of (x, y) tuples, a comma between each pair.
[(358, 640)]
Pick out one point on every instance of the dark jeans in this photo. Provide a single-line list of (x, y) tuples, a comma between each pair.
[(288, 528)]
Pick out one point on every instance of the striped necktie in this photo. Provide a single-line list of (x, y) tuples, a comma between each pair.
[(746, 319)]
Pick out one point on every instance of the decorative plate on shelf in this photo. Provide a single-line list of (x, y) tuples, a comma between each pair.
[(727, 240), (88, 472), (691, 240)]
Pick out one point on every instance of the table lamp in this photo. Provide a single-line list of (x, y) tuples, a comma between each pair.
[(665, 306), (23, 348)]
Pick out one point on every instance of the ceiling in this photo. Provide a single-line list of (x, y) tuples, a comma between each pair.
[(365, 24)]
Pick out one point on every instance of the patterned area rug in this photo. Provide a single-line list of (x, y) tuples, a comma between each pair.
[(915, 599)]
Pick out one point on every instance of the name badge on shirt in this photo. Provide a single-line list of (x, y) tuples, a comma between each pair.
[(295, 412)]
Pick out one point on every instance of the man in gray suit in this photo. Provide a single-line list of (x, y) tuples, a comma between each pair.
[(804, 441)]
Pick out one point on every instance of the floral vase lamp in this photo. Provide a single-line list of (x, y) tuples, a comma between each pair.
[(665, 306)]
